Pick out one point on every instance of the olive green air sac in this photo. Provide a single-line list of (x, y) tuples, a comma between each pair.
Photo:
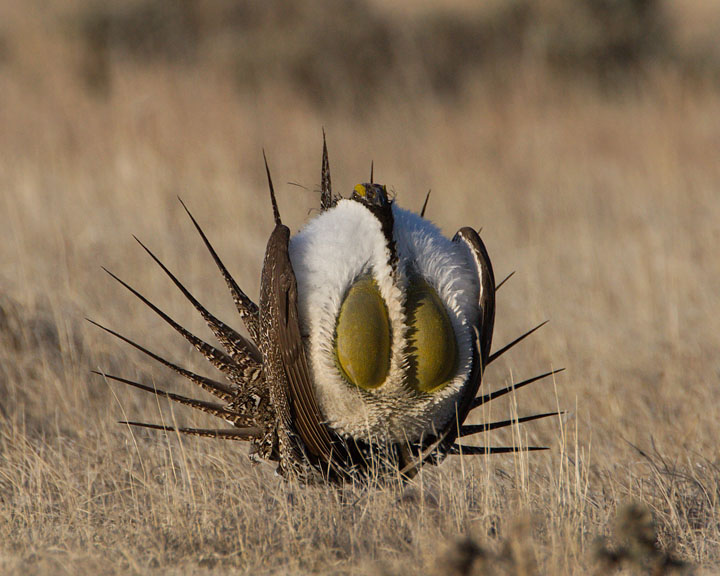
[(433, 347), (362, 343)]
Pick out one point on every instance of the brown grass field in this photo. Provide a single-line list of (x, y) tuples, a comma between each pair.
[(603, 193)]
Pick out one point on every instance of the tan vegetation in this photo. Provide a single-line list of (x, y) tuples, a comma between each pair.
[(600, 190)]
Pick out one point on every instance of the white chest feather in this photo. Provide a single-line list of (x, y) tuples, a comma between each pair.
[(328, 256)]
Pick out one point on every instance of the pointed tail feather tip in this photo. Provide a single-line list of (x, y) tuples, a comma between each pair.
[(219, 389), (459, 449), (248, 433), (215, 356), (225, 335), (495, 355), (424, 207), (470, 429), (326, 195), (213, 408), (504, 280), (480, 400), (247, 309), (276, 211)]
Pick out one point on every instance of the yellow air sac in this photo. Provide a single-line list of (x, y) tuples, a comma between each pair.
[(431, 337), (362, 344)]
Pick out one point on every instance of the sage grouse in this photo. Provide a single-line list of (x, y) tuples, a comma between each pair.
[(366, 350)]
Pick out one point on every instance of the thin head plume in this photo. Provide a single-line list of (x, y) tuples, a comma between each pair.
[(249, 433), (504, 280), (480, 400), (372, 172), (496, 355), (276, 212), (298, 185), (326, 197), (247, 309), (427, 197)]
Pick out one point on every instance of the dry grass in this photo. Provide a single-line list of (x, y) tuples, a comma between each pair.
[(607, 205)]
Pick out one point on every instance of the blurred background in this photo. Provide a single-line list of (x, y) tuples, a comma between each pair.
[(583, 136)]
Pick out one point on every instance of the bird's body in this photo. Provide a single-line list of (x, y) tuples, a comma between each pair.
[(371, 337), (327, 262)]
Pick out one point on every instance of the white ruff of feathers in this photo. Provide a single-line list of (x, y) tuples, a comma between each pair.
[(328, 255)]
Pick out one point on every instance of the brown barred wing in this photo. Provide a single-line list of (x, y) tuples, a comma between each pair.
[(286, 365)]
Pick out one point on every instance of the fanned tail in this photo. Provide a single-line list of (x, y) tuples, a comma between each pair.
[(480, 400), (499, 285), (458, 449), (247, 309), (495, 355), (470, 429), (216, 409), (249, 433), (218, 389), (216, 357), (238, 347)]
